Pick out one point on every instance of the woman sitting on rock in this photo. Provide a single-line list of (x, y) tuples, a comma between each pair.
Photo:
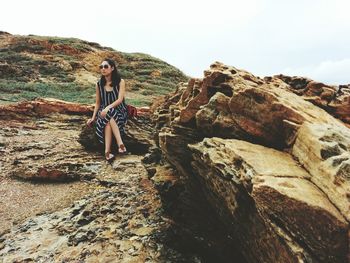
[(110, 108)]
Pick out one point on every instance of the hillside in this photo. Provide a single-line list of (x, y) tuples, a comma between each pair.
[(67, 68)]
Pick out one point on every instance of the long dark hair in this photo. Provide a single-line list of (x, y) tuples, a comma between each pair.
[(115, 74)]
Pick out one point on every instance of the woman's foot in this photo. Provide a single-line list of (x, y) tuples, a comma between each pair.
[(109, 156), (122, 149)]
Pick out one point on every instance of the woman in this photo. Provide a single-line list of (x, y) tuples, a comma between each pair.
[(110, 108)]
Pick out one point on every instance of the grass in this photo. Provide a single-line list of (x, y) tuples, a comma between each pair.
[(16, 91), (139, 102), (72, 92), (140, 66), (79, 45), (31, 69)]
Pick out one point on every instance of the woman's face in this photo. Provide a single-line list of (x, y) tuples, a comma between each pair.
[(105, 68)]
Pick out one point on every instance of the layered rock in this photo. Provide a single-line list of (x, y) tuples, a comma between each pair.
[(269, 198), (47, 147), (282, 186), (324, 151), (41, 107), (334, 99)]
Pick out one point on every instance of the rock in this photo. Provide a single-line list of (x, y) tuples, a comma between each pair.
[(151, 171), (45, 174), (334, 99), (142, 231), (242, 106), (324, 150), (273, 194), (108, 223), (41, 107), (153, 156), (138, 138), (2, 141), (49, 152), (278, 176), (88, 138)]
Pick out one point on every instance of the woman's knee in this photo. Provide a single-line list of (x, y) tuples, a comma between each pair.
[(115, 122), (108, 127)]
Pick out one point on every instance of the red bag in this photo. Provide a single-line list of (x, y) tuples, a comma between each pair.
[(132, 111)]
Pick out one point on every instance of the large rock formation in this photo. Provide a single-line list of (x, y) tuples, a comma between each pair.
[(274, 166)]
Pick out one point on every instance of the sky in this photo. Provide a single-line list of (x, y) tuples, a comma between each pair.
[(308, 38)]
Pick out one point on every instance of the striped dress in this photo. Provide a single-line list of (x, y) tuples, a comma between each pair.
[(118, 113)]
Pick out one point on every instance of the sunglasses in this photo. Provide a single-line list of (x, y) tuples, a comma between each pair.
[(105, 66)]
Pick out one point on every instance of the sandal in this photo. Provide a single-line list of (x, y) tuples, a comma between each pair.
[(108, 158), (122, 149)]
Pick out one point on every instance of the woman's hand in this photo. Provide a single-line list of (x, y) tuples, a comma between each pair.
[(104, 112), (90, 121)]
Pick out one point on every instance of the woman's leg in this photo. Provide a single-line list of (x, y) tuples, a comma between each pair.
[(116, 131), (108, 137)]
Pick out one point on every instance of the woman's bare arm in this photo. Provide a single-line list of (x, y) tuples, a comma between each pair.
[(97, 103)]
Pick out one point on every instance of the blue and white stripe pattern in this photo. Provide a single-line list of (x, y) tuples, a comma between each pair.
[(118, 113)]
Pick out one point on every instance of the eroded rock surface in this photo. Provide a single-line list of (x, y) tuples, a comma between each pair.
[(120, 220), (62, 202), (334, 99), (271, 163), (278, 195)]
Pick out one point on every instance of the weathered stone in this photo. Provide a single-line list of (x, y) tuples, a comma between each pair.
[(260, 193), (41, 107), (277, 193), (334, 99), (242, 106), (138, 138), (324, 151)]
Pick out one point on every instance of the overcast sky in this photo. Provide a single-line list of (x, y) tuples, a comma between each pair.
[(266, 37)]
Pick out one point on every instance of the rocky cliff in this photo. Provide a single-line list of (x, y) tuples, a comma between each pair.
[(272, 157)]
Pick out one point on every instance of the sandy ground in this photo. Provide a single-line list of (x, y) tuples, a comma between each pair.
[(20, 200)]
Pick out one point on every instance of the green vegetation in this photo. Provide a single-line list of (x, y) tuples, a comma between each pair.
[(38, 66), (16, 91), (139, 66), (75, 43), (26, 68), (139, 102)]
